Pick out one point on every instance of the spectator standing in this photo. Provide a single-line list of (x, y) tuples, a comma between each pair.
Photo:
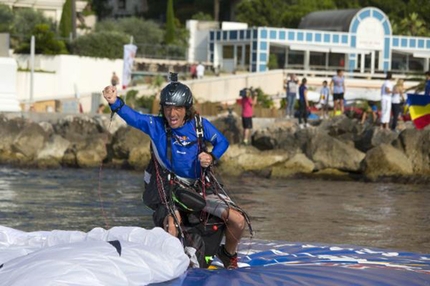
[(193, 71), (337, 87), (101, 108), (291, 89), (303, 104), (248, 103), (427, 87), (386, 94), (396, 102), (200, 71), (114, 79), (324, 97)]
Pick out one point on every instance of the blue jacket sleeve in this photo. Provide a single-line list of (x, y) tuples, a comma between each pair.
[(133, 118), (217, 139)]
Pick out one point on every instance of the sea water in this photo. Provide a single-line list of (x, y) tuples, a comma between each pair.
[(383, 215)]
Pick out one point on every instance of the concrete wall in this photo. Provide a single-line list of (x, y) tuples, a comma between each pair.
[(226, 88), (65, 76), (8, 98)]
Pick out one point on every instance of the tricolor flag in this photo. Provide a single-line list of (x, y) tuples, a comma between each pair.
[(419, 107)]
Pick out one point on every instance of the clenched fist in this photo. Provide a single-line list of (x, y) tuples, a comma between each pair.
[(110, 94)]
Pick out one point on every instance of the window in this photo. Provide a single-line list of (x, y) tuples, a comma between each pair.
[(228, 52)]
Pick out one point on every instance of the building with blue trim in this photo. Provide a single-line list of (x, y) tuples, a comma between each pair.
[(357, 40)]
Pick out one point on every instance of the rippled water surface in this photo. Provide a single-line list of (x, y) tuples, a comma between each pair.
[(381, 215)]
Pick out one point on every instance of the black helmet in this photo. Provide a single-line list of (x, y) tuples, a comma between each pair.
[(176, 93)]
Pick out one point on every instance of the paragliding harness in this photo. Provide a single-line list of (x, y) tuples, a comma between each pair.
[(199, 230)]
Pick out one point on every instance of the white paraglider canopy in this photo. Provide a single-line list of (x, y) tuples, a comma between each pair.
[(119, 256)]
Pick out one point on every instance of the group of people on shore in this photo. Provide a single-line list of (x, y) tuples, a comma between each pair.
[(392, 99), (336, 88)]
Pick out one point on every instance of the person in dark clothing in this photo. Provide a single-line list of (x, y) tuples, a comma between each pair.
[(303, 104)]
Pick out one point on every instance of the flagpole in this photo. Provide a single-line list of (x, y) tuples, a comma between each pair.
[(32, 51)]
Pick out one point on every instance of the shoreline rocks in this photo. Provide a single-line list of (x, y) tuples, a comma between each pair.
[(337, 148)]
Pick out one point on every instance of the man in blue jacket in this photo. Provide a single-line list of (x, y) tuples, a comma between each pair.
[(177, 152)]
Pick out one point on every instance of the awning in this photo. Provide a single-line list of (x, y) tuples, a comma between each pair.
[(414, 52), (328, 49), (311, 48), (348, 50)]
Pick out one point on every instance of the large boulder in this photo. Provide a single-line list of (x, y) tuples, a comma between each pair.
[(278, 136), (373, 137), (108, 123), (92, 154), (139, 157), (9, 130), (91, 151), (328, 152), (127, 138), (77, 129), (381, 136), (339, 125), (385, 160), (416, 146), (297, 164), (30, 141), (240, 159), (52, 153)]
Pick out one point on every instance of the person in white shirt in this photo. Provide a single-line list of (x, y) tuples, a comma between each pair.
[(386, 95), (396, 102), (324, 97), (200, 71)]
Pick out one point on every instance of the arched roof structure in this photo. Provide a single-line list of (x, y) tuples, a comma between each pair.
[(331, 20)]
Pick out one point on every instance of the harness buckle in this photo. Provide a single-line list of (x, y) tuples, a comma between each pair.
[(199, 132)]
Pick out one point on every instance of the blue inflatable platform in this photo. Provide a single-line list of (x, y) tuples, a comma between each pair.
[(283, 263)]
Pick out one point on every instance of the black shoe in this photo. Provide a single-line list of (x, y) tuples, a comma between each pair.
[(229, 261)]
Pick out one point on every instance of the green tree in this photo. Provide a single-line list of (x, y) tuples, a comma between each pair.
[(25, 21), (6, 16), (66, 26), (347, 4), (184, 9), (293, 15), (263, 99), (147, 35), (101, 8), (45, 42), (422, 8), (169, 36), (100, 45), (202, 16), (261, 12), (412, 26)]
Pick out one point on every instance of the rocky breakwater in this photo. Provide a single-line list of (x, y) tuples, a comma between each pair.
[(339, 147)]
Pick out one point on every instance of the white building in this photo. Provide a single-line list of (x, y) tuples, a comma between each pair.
[(50, 8), (356, 40)]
